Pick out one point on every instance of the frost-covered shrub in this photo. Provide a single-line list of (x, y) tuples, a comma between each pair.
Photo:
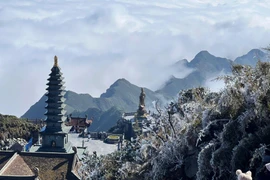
[(220, 163), (244, 151), (205, 171), (168, 161), (222, 131)]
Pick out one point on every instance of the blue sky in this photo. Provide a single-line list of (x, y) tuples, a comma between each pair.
[(100, 41)]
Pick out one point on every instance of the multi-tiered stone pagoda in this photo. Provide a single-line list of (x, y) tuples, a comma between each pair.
[(54, 158), (55, 135)]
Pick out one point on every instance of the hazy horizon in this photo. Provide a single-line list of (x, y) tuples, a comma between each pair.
[(100, 41)]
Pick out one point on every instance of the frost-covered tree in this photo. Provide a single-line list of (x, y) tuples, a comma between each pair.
[(244, 107), (204, 135)]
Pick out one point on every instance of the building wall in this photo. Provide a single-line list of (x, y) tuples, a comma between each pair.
[(58, 141)]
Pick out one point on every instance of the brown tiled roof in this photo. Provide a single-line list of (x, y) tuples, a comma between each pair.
[(79, 121), (50, 165), (4, 157), (17, 167), (76, 166)]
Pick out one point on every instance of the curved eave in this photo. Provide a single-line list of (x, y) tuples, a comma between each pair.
[(56, 72), (55, 108), (59, 121), (62, 118), (56, 87), (61, 101), (56, 69), (55, 78), (57, 114), (55, 83), (60, 94)]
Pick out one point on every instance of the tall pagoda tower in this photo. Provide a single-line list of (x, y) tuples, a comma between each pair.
[(55, 134)]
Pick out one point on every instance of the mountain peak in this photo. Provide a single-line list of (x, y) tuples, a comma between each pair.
[(72, 93), (172, 77), (202, 57), (256, 52), (181, 63), (251, 57), (204, 54), (117, 85), (121, 80)]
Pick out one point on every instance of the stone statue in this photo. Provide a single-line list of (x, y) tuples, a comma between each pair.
[(36, 171), (142, 97), (141, 110), (74, 148), (53, 144)]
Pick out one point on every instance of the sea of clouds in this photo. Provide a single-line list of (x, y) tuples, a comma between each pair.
[(100, 41)]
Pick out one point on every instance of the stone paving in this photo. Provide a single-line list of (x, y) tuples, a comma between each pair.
[(92, 145)]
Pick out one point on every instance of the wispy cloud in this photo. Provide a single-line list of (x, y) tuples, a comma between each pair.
[(99, 41)]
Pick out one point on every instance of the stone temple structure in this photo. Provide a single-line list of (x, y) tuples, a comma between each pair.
[(55, 135)]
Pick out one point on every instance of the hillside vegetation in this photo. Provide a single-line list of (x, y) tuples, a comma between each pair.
[(203, 136), (13, 127)]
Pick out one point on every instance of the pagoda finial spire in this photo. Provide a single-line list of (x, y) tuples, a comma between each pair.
[(55, 61)]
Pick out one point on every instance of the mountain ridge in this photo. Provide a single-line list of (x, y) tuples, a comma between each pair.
[(123, 96), (205, 66)]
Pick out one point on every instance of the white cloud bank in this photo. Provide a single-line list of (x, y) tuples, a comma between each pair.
[(99, 41)]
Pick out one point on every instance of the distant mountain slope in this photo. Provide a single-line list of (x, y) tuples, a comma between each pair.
[(102, 120), (121, 94), (37, 110), (208, 64), (78, 101), (174, 85), (73, 102), (252, 57), (108, 119), (204, 65), (124, 96)]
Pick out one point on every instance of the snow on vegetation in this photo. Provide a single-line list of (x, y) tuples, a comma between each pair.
[(205, 135)]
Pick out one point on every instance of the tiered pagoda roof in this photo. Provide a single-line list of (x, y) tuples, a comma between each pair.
[(54, 158), (55, 137), (55, 102)]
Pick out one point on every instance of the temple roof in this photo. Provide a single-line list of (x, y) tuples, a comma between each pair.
[(16, 166), (4, 157), (79, 121), (25, 165)]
